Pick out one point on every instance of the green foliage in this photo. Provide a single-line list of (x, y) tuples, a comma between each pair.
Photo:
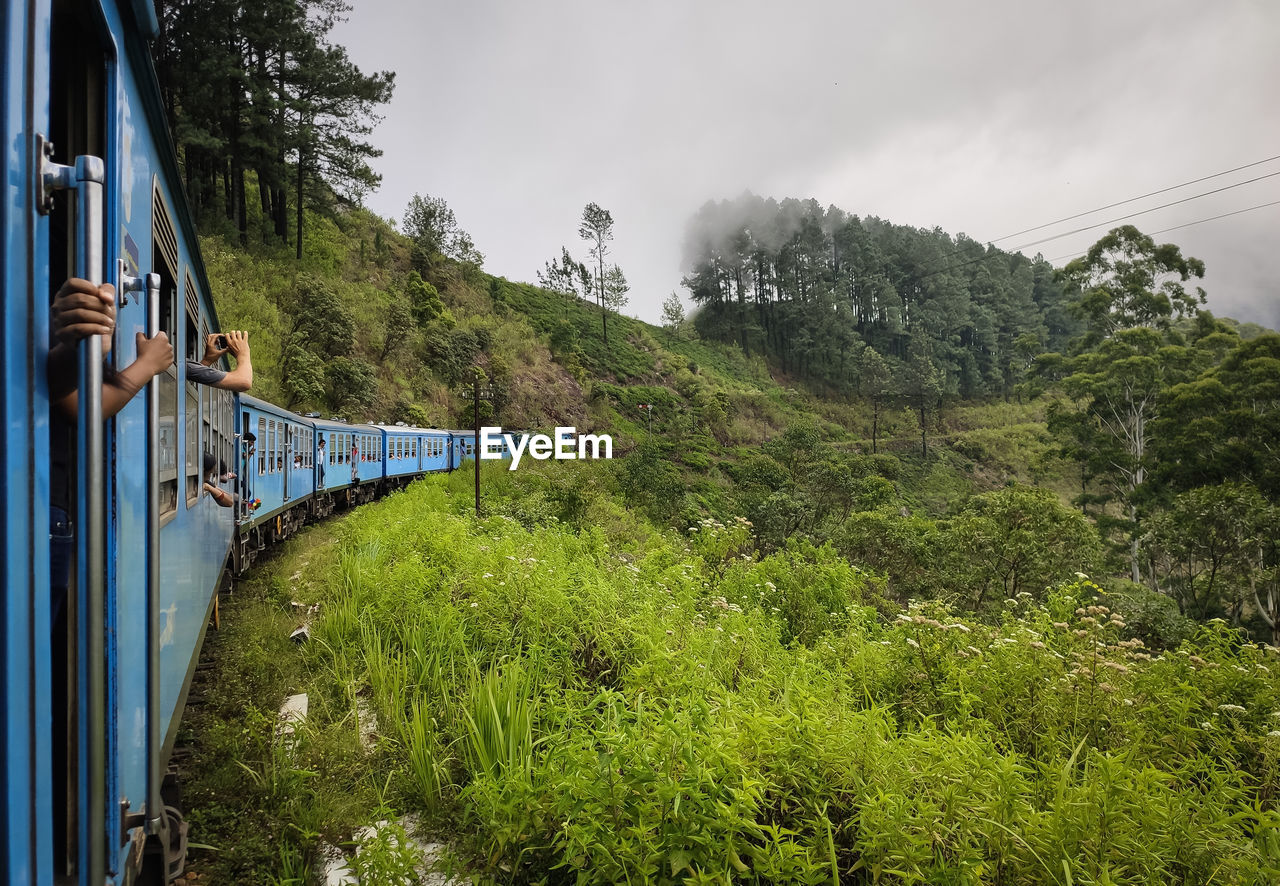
[(386, 857), (320, 321), (668, 709), (433, 229), (351, 384), (1126, 281), (1151, 617), (1018, 540)]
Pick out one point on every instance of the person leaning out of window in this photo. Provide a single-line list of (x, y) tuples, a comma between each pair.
[(216, 346)]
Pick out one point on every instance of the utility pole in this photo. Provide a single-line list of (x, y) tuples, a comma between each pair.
[(478, 393), (476, 449)]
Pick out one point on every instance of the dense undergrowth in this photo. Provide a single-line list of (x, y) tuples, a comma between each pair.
[(567, 694)]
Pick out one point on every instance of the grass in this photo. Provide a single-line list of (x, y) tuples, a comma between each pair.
[(567, 694)]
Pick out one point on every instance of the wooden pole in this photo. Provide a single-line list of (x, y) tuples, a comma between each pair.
[(476, 451)]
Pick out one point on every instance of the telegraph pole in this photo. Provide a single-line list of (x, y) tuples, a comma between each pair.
[(476, 450)]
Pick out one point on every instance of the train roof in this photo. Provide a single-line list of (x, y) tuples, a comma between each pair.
[(330, 425), (411, 429)]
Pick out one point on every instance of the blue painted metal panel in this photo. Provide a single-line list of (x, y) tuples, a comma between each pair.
[(25, 833)]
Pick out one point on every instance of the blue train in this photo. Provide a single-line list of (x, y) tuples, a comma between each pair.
[(94, 682)]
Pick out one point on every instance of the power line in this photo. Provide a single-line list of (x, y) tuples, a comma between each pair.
[(1144, 211), (1179, 227), (1017, 249), (942, 268), (1194, 181)]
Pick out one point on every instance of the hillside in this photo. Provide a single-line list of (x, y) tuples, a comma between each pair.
[(390, 346)]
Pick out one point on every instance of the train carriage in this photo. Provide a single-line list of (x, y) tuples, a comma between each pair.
[(93, 191), (414, 451), (275, 475), (352, 461)]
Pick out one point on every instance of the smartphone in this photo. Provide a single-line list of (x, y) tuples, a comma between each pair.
[(222, 343)]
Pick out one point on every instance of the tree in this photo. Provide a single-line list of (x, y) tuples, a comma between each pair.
[(878, 383), (596, 228), (615, 289), (258, 87), (1130, 290), (1211, 542), (397, 329), (1121, 388), (425, 304), (566, 276), (321, 322), (333, 102), (1019, 539), (352, 384), (1225, 424), (301, 375), (434, 230), (672, 313), (922, 387), (1127, 281)]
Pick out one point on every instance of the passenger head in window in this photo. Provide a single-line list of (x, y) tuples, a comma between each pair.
[(221, 496), (217, 346)]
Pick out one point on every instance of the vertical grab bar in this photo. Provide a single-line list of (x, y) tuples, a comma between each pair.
[(87, 176), (90, 175), (155, 808)]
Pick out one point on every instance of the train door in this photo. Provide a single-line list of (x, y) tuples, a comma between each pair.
[(288, 458), (82, 82)]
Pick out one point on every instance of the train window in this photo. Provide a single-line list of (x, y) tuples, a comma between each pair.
[(168, 443), (333, 450), (262, 446), (191, 425), (210, 421)]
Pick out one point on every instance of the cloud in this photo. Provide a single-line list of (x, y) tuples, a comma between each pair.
[(983, 119)]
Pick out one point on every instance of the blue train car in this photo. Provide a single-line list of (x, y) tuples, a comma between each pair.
[(412, 451), (95, 676), (352, 463), (276, 475)]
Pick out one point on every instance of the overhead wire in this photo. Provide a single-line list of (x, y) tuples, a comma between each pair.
[(1145, 211), (943, 269), (1198, 221), (1194, 181), (1016, 249)]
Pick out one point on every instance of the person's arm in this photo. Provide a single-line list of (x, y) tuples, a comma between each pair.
[(154, 356), (221, 496), (241, 378)]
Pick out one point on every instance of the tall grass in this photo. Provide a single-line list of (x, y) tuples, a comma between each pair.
[(603, 707)]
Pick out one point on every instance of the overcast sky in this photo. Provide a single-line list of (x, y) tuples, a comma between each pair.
[(983, 118)]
